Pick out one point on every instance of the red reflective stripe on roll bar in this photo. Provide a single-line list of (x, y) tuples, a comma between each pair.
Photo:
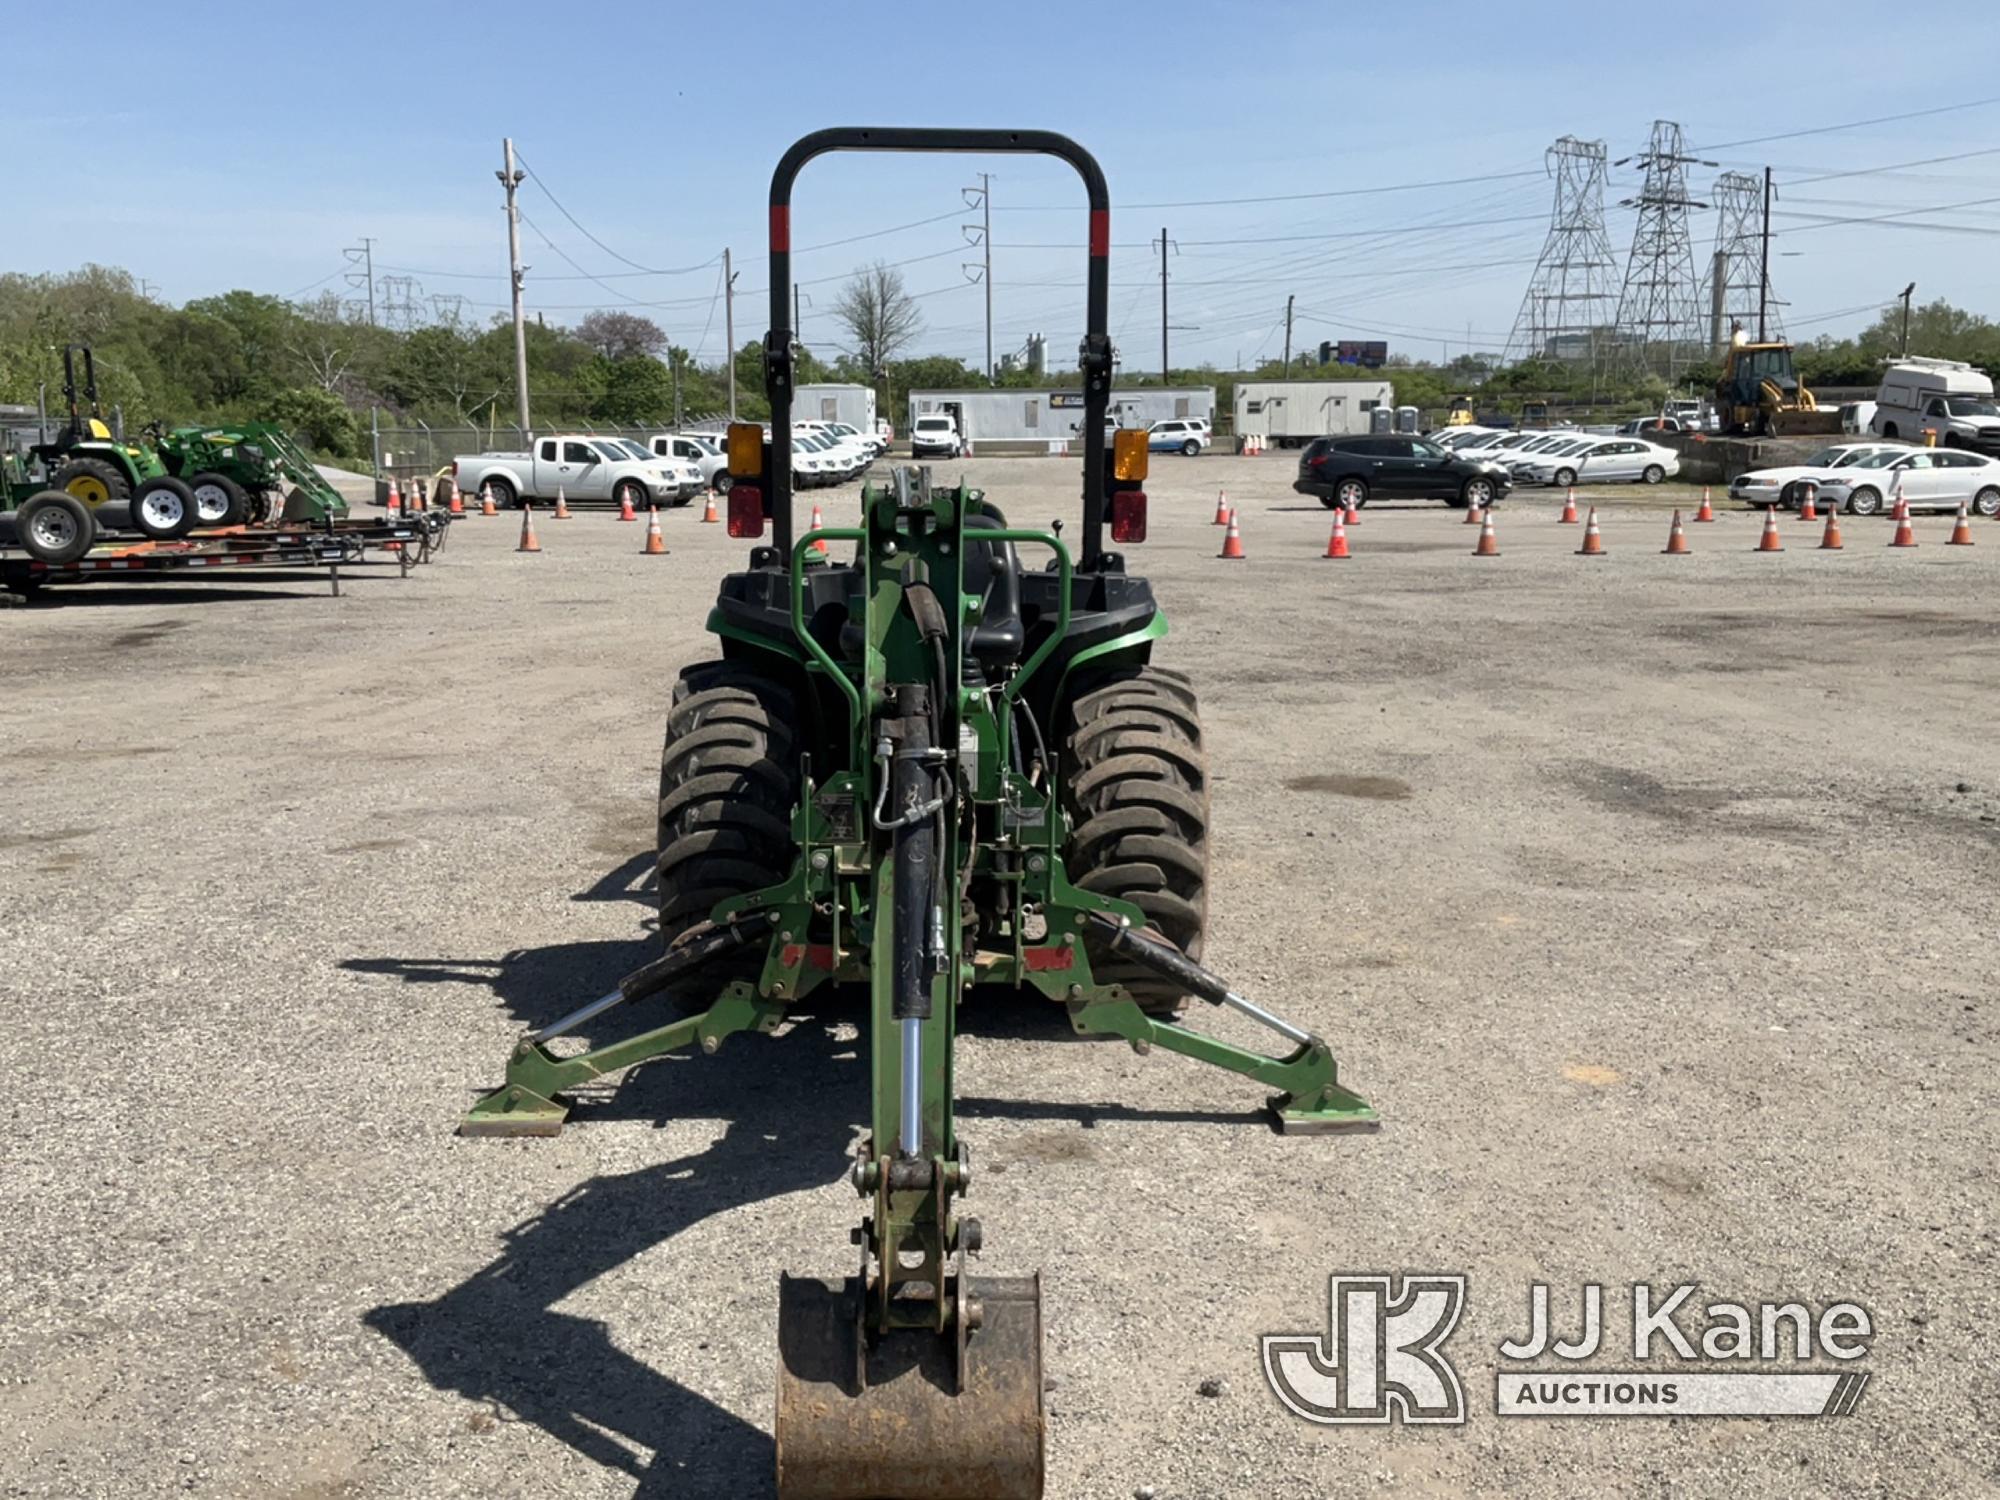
[(1100, 232), (781, 227)]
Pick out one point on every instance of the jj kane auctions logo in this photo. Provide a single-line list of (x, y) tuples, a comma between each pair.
[(1382, 1357)]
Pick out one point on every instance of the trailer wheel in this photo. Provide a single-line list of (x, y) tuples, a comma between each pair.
[(1135, 785), (163, 509), (218, 500), (55, 527), (728, 783)]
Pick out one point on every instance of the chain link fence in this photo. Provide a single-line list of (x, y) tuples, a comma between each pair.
[(418, 452)]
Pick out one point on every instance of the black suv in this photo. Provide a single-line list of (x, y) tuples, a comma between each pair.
[(1360, 469)]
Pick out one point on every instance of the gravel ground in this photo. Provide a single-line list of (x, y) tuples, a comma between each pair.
[(1650, 899)]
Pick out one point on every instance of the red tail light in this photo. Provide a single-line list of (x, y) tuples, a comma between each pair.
[(1128, 516), (746, 510)]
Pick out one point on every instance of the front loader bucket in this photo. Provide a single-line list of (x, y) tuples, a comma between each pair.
[(905, 1419)]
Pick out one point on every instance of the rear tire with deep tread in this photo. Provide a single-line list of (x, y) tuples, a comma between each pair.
[(728, 784), (1135, 789)]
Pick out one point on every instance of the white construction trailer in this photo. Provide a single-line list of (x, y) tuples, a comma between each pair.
[(852, 404), (1030, 418), (1291, 413)]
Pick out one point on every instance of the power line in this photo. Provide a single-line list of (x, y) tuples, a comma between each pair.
[(1925, 161), (1394, 187), (649, 270), (1792, 135)]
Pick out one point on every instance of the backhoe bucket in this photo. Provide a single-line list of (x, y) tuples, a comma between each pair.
[(910, 1418)]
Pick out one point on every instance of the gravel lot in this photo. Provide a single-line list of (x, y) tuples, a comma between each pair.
[(1650, 899)]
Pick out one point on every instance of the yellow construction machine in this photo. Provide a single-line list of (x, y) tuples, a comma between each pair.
[(1759, 392)]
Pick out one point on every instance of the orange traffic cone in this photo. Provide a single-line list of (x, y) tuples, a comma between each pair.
[(1677, 541), (1473, 515), (625, 511), (419, 496), (1904, 536), (656, 545), (818, 521), (1489, 544), (1829, 540), (457, 502), (1808, 511), (1336, 545), (708, 515), (1232, 540), (1707, 511), (1593, 539), (1221, 507), (1961, 533), (529, 541), (562, 505), (1353, 517), (1568, 517), (1768, 539), (395, 500), (486, 505)]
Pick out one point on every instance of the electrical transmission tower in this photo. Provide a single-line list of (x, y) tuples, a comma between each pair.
[(1571, 302), (1659, 315), (1736, 290), (400, 298)]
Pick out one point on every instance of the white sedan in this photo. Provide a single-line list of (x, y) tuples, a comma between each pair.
[(1781, 486), (1928, 478), (1618, 460)]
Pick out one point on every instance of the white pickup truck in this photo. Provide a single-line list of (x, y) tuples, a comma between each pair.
[(583, 467)]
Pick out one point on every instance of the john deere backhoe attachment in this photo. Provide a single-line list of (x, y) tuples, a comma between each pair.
[(924, 767)]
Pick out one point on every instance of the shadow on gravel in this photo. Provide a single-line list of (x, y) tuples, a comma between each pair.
[(790, 1104), (71, 595)]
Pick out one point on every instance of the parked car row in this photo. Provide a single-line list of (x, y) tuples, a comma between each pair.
[(580, 467), (1864, 478), (1564, 456)]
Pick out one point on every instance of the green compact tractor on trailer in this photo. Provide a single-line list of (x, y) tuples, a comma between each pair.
[(119, 486), (928, 767), (249, 474)]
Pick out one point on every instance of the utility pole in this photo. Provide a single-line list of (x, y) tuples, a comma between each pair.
[(1164, 367), (1288, 337), (981, 271), (510, 178), (729, 326), (1906, 317), (1764, 261), (674, 362), (366, 251)]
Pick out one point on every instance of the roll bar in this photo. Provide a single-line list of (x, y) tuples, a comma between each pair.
[(1095, 355)]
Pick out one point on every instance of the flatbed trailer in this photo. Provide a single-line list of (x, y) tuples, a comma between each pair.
[(331, 546)]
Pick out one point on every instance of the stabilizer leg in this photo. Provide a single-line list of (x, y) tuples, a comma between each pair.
[(1312, 1101), (529, 1103)]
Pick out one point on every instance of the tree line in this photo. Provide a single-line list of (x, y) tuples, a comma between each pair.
[(316, 367)]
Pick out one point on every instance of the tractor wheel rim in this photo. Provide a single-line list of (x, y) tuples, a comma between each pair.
[(162, 508), (54, 529), (210, 503), (90, 491)]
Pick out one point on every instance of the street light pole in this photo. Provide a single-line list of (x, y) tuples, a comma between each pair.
[(1906, 317)]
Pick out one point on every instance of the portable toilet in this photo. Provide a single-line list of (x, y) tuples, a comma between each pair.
[(1406, 419), (1382, 419)]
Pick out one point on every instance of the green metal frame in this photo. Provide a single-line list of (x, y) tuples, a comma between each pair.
[(258, 456), (838, 869)]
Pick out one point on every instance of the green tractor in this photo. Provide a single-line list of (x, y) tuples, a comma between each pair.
[(249, 474), (121, 485), (931, 770)]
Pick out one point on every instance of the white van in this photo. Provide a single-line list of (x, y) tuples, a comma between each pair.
[(1946, 395)]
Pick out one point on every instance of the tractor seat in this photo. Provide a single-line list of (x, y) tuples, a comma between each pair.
[(993, 572), (992, 575)]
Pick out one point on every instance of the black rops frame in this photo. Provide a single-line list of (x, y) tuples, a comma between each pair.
[(780, 356)]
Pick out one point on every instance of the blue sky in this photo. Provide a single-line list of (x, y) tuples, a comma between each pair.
[(293, 131)]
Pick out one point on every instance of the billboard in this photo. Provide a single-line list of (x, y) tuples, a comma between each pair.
[(1368, 354)]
